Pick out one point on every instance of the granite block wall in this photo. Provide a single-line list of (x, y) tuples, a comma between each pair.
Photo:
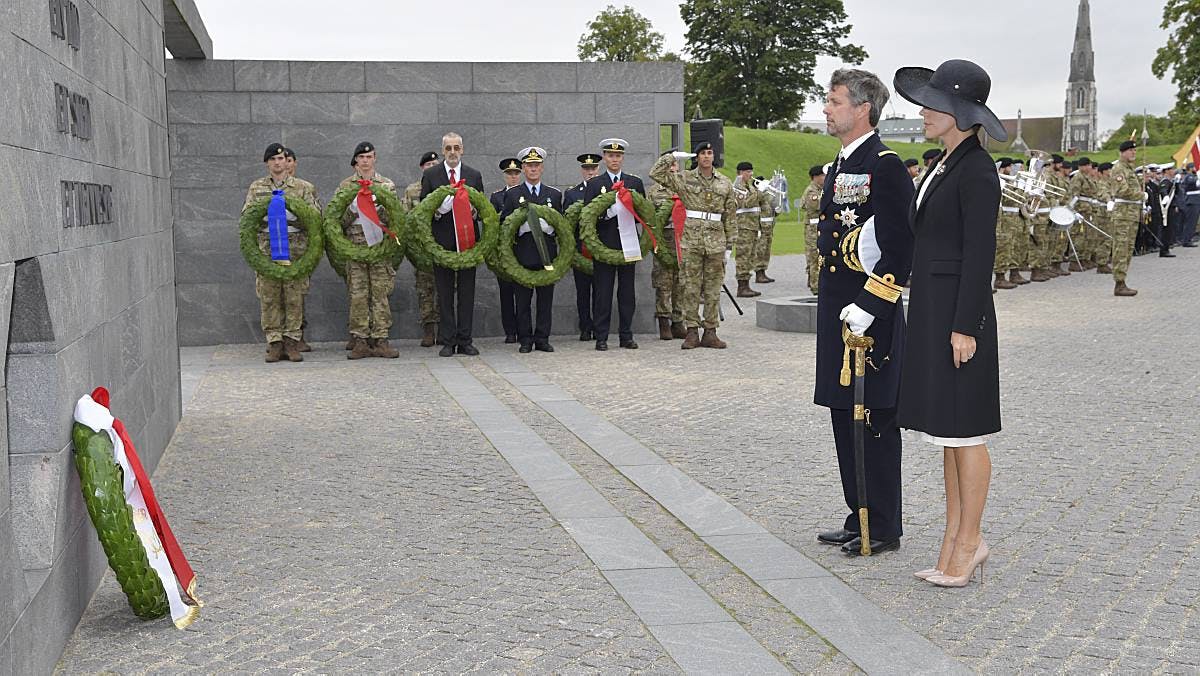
[(222, 114)]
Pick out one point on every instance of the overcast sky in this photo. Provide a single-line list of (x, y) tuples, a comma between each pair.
[(1024, 44)]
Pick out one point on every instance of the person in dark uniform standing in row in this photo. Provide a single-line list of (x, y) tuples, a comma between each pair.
[(865, 247), (605, 276), (511, 167), (589, 166), (455, 288), (533, 333)]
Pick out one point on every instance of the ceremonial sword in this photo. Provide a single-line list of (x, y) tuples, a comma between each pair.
[(859, 345)]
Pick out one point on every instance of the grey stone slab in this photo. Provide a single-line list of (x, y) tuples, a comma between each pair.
[(209, 107), (260, 76), (572, 498), (7, 275), (566, 108), (186, 36), (486, 108), (616, 544), (14, 595), (699, 508), (296, 108), (205, 172), (328, 76), (665, 596), (337, 141), (608, 440), (245, 141), (797, 314), (393, 108), (668, 107), (209, 204), (716, 648), (525, 77), (548, 392), (6, 658), (765, 557), (199, 75), (38, 483), (659, 76), (546, 466), (418, 76), (625, 107), (873, 640)]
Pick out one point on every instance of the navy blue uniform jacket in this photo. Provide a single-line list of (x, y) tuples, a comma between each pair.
[(524, 248), (606, 228)]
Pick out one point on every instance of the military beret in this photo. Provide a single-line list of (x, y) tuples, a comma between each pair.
[(816, 170), (532, 155), (930, 154), (910, 162), (1004, 163), (362, 147), (288, 152), (1075, 165), (273, 150), (1056, 159), (1083, 162), (759, 178), (614, 145), (1105, 166), (745, 166), (590, 159), (703, 145), (1006, 159), (1128, 145), (428, 157), (510, 164)]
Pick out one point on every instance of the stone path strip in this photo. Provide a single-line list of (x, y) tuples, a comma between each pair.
[(874, 641), (697, 633)]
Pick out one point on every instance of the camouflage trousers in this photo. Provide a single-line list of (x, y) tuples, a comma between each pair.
[(1099, 246), (1041, 253), (281, 303), (762, 247), (1018, 242), (1123, 227), (1004, 253), (370, 285), (811, 259), (668, 292), (426, 297), (745, 248), (700, 278)]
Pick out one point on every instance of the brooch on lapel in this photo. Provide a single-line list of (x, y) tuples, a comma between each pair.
[(847, 217)]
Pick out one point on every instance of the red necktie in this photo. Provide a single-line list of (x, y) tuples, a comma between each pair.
[(452, 176)]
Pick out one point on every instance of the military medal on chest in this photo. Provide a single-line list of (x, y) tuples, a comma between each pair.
[(851, 188), (848, 217)]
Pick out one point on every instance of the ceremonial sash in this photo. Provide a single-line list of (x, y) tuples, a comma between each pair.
[(368, 215), (678, 218), (162, 549), (627, 218), (277, 228), (534, 223), (464, 224)]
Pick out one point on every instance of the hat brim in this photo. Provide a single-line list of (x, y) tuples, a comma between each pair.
[(912, 84)]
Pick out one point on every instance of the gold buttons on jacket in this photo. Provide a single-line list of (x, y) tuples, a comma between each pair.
[(836, 234), (833, 268), (833, 253)]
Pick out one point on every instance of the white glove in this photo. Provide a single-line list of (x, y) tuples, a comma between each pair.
[(1111, 205), (728, 255), (447, 205), (546, 227), (612, 211), (858, 319), (680, 155)]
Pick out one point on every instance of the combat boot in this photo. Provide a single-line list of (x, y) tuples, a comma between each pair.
[(1122, 290), (691, 340), (303, 345), (744, 290), (1075, 266), (274, 351), (710, 339), (430, 336), (350, 342), (291, 349), (359, 348), (678, 330), (1103, 269), (382, 349), (1015, 277), (760, 277), (1002, 283), (1064, 269), (664, 328), (1040, 275)]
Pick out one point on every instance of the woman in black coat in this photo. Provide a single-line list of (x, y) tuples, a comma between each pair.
[(950, 385)]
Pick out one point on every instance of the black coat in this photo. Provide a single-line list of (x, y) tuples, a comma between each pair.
[(955, 249), (890, 195), (524, 248), (606, 228), (443, 225)]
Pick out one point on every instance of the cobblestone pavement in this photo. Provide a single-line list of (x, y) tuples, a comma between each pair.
[(331, 538)]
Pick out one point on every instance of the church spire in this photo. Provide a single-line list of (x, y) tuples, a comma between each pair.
[(1018, 144), (1082, 57), (1080, 129)]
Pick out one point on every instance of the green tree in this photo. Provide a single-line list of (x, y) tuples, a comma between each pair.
[(754, 59), (1181, 54), (1165, 130), (621, 35)]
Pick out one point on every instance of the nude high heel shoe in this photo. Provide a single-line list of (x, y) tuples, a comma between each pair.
[(927, 573), (977, 561)]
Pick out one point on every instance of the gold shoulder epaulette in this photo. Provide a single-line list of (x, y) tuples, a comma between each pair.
[(888, 152)]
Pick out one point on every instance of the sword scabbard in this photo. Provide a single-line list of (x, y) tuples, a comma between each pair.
[(865, 529)]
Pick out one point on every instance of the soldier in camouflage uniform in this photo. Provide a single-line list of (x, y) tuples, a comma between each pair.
[(282, 303), (707, 235), (747, 210), (426, 298), (1018, 236), (668, 291), (369, 284), (1083, 199), (1005, 259), (1102, 246), (290, 156), (811, 213), (1128, 194), (766, 236)]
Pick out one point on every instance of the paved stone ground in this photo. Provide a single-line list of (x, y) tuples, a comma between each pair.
[(412, 545)]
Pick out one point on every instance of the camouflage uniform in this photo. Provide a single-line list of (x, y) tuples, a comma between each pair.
[(705, 238), (282, 303), (766, 233), (745, 219), (369, 284), (1005, 258), (667, 289), (1083, 193), (1128, 193), (811, 199), (426, 298), (1049, 237), (1101, 245)]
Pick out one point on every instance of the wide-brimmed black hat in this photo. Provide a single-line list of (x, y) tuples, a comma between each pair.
[(959, 88)]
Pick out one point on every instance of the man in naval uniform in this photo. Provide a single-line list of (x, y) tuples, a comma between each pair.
[(589, 166), (511, 167)]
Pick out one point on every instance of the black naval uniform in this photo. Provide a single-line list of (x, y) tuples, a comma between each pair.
[(605, 275), (866, 196), (529, 333), (508, 290), (455, 288), (583, 281)]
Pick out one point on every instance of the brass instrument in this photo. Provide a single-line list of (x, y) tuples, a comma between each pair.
[(1028, 188)]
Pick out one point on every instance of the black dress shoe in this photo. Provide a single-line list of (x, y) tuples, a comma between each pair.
[(836, 537), (585, 336), (1165, 254), (629, 344), (1189, 245), (469, 350), (510, 339), (525, 349), (854, 547), (446, 351), (602, 345), (543, 347)]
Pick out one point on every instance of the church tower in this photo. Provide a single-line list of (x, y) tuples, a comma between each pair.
[(1080, 130)]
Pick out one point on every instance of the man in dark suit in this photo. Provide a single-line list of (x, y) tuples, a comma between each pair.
[(604, 277), (533, 191), (865, 247), (1188, 194), (455, 288), (511, 167), (589, 166)]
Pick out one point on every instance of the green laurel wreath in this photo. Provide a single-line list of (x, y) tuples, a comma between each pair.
[(102, 482), (591, 238), (340, 249), (421, 220), (666, 245), (506, 258), (251, 223), (579, 262)]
